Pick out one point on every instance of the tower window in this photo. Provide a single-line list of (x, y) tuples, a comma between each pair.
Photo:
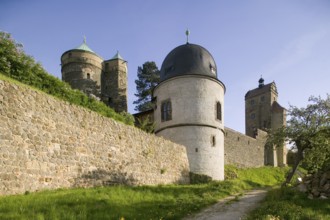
[(262, 99), (253, 116), (166, 110), (88, 76), (252, 102), (219, 111), (212, 68)]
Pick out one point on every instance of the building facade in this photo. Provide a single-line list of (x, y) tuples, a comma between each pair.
[(106, 80)]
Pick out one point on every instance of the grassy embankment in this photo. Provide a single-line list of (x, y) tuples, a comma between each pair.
[(143, 202), (55, 87), (289, 204)]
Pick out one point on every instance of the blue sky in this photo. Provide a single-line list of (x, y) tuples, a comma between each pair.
[(286, 41)]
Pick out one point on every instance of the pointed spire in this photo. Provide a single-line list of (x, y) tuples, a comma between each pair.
[(84, 39), (187, 34), (117, 56)]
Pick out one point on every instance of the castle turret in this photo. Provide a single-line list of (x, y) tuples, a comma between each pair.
[(114, 83), (82, 68), (189, 108)]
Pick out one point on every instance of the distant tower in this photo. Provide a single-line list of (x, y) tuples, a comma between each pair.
[(114, 83), (262, 111), (189, 108), (82, 68)]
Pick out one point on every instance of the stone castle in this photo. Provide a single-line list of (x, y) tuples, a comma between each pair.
[(189, 103), (47, 143)]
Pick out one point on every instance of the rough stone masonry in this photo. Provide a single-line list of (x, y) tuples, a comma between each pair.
[(46, 143)]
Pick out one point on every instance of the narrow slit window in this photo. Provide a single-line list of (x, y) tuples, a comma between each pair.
[(219, 111), (213, 140)]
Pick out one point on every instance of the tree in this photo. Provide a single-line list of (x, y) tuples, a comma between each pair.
[(308, 130), (148, 78)]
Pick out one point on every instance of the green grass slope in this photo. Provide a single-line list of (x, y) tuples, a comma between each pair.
[(143, 202), (289, 204)]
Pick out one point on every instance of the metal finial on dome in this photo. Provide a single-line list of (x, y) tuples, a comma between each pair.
[(84, 39), (187, 34), (261, 82)]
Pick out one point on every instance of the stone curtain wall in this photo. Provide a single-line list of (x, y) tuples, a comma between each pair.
[(46, 144), (244, 151)]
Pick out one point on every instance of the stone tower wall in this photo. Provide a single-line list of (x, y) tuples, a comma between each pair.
[(244, 151), (46, 144), (194, 121), (82, 70), (114, 84)]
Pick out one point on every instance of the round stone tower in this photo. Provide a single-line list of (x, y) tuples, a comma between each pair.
[(189, 108), (82, 68)]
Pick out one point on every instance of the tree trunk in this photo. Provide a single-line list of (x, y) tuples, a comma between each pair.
[(294, 169)]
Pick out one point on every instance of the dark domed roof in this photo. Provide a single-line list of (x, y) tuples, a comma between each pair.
[(188, 59)]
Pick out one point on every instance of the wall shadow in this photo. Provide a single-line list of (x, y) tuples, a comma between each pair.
[(102, 177)]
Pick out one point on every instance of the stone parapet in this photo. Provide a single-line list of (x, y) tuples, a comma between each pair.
[(244, 151)]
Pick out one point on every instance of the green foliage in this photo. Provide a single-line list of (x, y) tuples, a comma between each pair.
[(231, 172), (308, 130), (261, 177), (128, 118), (146, 124), (15, 64), (142, 202), (148, 78), (289, 204), (318, 157)]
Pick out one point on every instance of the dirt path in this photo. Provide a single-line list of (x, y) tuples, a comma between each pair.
[(231, 208)]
